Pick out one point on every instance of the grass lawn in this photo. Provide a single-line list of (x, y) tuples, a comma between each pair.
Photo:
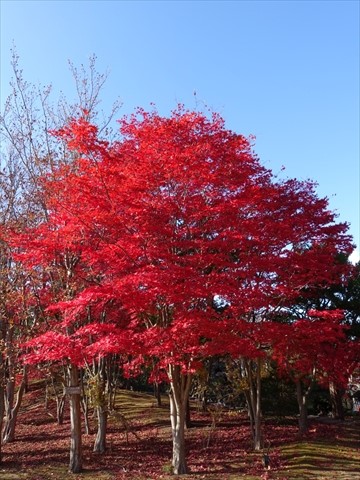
[(140, 448)]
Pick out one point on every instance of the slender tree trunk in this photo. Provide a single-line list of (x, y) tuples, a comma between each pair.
[(111, 381), (46, 401), (302, 398), (60, 407), (250, 414), (258, 413), (179, 394), (11, 409), (157, 393), (75, 465), (12, 404), (60, 396), (100, 440), (177, 414), (102, 381), (203, 401), (253, 399), (2, 410), (2, 389), (336, 396), (188, 414), (85, 410), (84, 404)]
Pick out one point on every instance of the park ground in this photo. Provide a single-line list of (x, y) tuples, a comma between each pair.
[(219, 446)]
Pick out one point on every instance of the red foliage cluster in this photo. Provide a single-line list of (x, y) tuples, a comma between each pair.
[(145, 234), (316, 347)]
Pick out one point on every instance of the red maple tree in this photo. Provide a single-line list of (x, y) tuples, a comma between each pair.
[(314, 349), (183, 239)]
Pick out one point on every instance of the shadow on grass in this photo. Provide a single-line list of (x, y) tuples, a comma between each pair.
[(141, 448), (334, 455)]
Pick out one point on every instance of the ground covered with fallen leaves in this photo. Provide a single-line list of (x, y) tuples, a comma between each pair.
[(218, 445)]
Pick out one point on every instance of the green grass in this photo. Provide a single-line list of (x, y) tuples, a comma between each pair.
[(327, 458)]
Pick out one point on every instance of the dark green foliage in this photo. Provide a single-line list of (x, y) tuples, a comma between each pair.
[(278, 397)]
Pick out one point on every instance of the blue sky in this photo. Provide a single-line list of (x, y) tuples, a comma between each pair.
[(284, 71)]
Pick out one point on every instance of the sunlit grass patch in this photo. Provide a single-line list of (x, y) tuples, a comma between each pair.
[(330, 458)]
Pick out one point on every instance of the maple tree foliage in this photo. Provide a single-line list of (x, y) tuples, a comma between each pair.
[(324, 347), (183, 198), (313, 350), (303, 349), (157, 230)]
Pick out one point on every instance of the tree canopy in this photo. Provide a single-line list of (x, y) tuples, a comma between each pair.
[(172, 244)]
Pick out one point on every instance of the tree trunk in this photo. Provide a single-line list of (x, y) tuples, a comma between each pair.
[(188, 414), (85, 410), (60, 407), (2, 410), (100, 440), (336, 396), (179, 394), (11, 410), (2, 390), (177, 414), (75, 465), (250, 414), (84, 404), (302, 398), (101, 382), (157, 393), (258, 415), (58, 384), (253, 400)]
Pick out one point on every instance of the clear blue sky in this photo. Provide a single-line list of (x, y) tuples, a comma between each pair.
[(285, 71)]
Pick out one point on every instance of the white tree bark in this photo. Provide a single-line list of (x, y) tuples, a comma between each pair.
[(75, 465), (100, 440), (180, 388)]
